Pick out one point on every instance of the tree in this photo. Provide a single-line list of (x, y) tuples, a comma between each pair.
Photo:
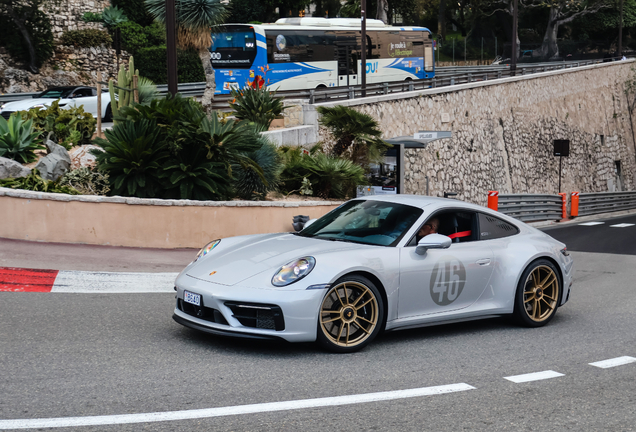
[(194, 19), (563, 12), (34, 29)]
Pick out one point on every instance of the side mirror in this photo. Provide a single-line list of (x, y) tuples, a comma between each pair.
[(432, 241)]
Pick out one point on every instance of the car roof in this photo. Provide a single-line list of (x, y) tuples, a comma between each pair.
[(422, 201)]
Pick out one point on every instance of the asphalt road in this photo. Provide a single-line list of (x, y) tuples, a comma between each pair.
[(69, 355)]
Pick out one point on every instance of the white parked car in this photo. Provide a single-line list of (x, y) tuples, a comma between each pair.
[(70, 96), (370, 266)]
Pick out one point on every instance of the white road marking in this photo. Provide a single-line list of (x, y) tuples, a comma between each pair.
[(623, 225), (618, 361), (534, 376), (106, 282), (231, 410), (591, 223)]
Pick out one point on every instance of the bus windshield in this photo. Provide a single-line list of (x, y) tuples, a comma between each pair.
[(233, 47)]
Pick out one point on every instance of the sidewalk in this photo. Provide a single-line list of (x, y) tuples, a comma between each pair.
[(59, 256)]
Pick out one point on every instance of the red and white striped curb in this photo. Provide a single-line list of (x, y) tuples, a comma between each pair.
[(59, 281)]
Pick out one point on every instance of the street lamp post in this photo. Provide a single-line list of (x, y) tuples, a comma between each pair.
[(513, 55), (620, 33), (171, 46), (363, 45)]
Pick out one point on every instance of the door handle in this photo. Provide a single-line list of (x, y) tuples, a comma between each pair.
[(483, 262)]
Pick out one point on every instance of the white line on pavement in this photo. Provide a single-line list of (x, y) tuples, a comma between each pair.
[(231, 410), (618, 361), (591, 223), (105, 282), (623, 225), (534, 376)]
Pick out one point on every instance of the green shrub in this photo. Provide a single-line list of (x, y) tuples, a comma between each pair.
[(37, 24), (92, 17), (112, 16), (191, 156), (132, 156), (19, 139), (87, 181), (86, 38), (330, 176), (152, 63), (248, 183), (133, 36), (156, 34), (135, 10), (71, 126), (36, 183), (257, 105)]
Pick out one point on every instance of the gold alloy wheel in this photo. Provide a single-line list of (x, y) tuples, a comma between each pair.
[(541, 293), (349, 314)]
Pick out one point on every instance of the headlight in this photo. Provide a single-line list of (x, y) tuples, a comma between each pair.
[(37, 106), (207, 248), (293, 271)]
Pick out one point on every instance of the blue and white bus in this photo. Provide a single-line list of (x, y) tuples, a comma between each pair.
[(309, 53)]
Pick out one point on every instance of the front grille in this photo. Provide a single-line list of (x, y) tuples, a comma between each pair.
[(257, 315), (201, 312), (6, 114)]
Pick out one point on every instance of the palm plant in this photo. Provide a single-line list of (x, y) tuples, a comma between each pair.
[(248, 183), (19, 139), (132, 155), (257, 104), (357, 134), (194, 19)]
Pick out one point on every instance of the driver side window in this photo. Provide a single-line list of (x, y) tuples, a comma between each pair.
[(459, 225)]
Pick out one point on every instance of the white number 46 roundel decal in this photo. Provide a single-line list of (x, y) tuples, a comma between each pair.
[(447, 280)]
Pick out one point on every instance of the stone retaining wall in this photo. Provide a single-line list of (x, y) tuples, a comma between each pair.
[(137, 222), (503, 132)]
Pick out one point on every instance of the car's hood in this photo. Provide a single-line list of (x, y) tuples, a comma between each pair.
[(25, 104), (243, 257)]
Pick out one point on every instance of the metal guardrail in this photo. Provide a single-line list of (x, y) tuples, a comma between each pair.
[(605, 202), (531, 207), (444, 76)]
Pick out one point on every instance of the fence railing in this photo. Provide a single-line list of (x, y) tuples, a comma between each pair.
[(605, 202), (531, 207), (444, 76)]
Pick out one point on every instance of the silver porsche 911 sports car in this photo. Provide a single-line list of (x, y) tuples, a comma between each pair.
[(375, 264)]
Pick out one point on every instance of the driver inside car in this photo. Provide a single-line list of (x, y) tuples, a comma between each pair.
[(430, 227)]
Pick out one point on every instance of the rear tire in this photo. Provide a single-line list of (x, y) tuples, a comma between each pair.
[(351, 315), (538, 294), (108, 117)]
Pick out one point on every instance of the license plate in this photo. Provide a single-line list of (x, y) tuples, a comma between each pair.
[(192, 298)]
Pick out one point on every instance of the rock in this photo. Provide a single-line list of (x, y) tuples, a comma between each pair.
[(81, 156), (12, 169), (55, 164)]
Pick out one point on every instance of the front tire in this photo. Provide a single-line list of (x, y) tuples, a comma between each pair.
[(538, 294), (351, 315)]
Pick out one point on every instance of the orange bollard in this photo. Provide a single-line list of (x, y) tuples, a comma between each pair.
[(493, 200), (574, 204), (564, 205)]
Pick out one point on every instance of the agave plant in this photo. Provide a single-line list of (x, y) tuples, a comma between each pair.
[(133, 156), (112, 16), (194, 19), (256, 104), (18, 139)]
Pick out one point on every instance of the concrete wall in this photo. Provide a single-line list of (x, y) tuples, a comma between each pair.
[(503, 131), (136, 222)]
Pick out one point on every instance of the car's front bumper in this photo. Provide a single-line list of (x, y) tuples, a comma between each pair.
[(299, 309)]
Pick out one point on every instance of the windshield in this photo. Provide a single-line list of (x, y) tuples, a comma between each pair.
[(367, 222), (56, 93), (233, 47)]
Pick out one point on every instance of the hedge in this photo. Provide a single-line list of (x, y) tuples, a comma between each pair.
[(86, 38), (152, 63)]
